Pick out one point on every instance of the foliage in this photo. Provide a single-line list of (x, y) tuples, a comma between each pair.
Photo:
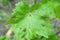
[(22, 9), (31, 23), (4, 38), (4, 1), (51, 37), (3, 16), (57, 11)]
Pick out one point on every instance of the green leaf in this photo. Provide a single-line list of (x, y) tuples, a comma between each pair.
[(45, 10), (34, 24), (35, 7), (52, 37), (28, 24), (57, 1), (57, 9), (22, 8), (44, 1), (4, 38), (31, 26)]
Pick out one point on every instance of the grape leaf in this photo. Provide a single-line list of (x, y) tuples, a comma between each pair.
[(28, 24), (33, 25)]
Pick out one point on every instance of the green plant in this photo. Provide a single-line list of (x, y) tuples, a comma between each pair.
[(4, 1), (3, 16), (4, 38), (34, 22)]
